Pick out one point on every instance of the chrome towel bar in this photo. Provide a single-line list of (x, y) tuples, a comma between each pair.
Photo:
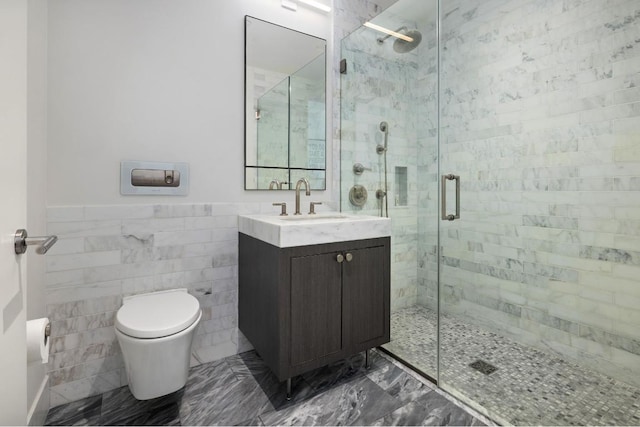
[(43, 243)]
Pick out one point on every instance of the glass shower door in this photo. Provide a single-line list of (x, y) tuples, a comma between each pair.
[(389, 100), (539, 277), (527, 306)]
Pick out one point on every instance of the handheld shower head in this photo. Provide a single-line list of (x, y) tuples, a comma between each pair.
[(382, 148)]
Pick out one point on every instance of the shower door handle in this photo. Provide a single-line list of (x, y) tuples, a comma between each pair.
[(445, 178)]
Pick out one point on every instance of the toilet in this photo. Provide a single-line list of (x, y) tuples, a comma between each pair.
[(155, 332)]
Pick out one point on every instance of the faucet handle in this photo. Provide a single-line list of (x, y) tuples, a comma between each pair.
[(359, 168), (283, 212), (312, 207)]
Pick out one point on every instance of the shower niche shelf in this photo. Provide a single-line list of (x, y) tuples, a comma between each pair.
[(401, 186)]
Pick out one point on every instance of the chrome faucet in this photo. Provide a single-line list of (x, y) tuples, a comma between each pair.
[(278, 186), (304, 181)]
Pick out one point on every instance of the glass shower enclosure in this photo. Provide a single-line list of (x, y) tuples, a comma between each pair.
[(524, 117)]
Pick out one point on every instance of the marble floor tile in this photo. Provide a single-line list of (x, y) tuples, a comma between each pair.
[(398, 383), (247, 364), (430, 409), (208, 376), (342, 371), (250, 365), (241, 390), (252, 422), (90, 421), (357, 402), (119, 407), (162, 417), (82, 412), (238, 401)]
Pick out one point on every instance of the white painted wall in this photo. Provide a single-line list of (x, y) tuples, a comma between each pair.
[(36, 147), (156, 80), (13, 141), (37, 392)]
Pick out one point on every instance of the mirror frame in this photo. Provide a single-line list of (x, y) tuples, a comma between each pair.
[(288, 169)]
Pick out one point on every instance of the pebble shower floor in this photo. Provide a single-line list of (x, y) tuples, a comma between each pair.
[(530, 387)]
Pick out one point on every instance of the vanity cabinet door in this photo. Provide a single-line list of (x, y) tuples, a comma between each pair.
[(366, 297), (301, 308), (316, 307)]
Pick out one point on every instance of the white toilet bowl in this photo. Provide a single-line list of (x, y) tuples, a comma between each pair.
[(155, 332)]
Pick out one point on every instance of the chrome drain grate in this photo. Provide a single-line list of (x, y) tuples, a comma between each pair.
[(484, 367)]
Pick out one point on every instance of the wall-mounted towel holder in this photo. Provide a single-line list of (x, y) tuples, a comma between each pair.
[(43, 243)]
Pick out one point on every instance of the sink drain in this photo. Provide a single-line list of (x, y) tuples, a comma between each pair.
[(484, 367)]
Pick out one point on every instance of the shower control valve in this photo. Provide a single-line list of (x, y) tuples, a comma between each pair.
[(359, 168)]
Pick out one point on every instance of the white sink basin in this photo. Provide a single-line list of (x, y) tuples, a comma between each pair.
[(302, 230)]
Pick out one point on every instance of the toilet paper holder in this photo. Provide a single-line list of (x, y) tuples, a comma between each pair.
[(21, 241), (38, 340)]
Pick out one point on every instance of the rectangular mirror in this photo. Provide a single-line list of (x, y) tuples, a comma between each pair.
[(285, 107)]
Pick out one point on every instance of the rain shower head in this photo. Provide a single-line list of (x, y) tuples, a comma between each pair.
[(403, 46), (382, 148)]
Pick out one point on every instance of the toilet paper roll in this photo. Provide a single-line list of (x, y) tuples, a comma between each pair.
[(37, 340)]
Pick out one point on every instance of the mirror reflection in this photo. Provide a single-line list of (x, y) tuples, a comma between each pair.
[(284, 107)]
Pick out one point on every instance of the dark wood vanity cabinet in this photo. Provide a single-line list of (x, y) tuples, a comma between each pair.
[(304, 307)]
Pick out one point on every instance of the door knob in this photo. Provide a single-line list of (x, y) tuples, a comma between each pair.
[(340, 258), (348, 256)]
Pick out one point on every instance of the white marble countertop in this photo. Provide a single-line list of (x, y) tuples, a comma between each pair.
[(326, 227)]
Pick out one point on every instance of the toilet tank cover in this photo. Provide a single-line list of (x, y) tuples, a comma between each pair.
[(157, 314)]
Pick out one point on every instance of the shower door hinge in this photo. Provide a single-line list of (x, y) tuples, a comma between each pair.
[(343, 66)]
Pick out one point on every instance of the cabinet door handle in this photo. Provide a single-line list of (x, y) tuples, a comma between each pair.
[(340, 258), (349, 256)]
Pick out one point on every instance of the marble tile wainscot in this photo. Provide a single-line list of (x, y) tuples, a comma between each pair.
[(107, 252)]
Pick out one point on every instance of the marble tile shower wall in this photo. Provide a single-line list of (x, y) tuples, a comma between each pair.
[(107, 252), (380, 85), (348, 15), (541, 118)]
